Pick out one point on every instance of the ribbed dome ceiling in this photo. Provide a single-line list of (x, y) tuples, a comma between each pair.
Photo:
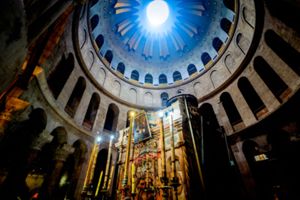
[(194, 34)]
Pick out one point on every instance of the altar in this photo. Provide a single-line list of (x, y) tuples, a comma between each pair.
[(162, 159)]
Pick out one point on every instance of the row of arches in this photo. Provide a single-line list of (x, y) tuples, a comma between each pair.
[(56, 81), (272, 80), (40, 160)]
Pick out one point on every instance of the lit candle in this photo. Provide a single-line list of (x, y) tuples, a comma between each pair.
[(92, 162), (107, 163), (133, 183), (126, 166), (99, 182), (110, 176)]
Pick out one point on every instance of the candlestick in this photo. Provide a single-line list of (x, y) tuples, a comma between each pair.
[(126, 167), (173, 159), (162, 141), (92, 163), (110, 177), (164, 179), (107, 164)]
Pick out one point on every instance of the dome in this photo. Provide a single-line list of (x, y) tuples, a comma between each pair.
[(189, 40)]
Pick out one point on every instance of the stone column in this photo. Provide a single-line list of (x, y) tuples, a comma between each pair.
[(38, 144), (60, 156)]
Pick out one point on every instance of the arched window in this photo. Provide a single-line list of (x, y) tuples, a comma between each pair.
[(217, 44), (93, 2), (209, 117), (253, 100), (100, 167), (191, 69), (108, 56), (59, 76), (163, 79), (177, 76), (231, 110), (225, 25), (99, 41), (121, 68), (205, 58), (75, 97), (148, 78), (91, 112), (135, 75), (284, 50), (270, 77), (164, 98), (94, 21), (229, 4), (111, 120)]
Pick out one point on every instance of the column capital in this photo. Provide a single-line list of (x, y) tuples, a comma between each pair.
[(62, 153), (44, 138)]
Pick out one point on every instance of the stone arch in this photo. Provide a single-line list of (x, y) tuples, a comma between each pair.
[(111, 119), (74, 166), (91, 112), (252, 98), (164, 98), (248, 17), (116, 89), (205, 58), (109, 56), (149, 79), (284, 50), (191, 69), (177, 76), (242, 42), (99, 41), (229, 62), (121, 68), (75, 97), (232, 113), (94, 22), (135, 75), (132, 97), (229, 4), (217, 44), (270, 77), (216, 78), (162, 79), (148, 99), (60, 74), (102, 76), (225, 25)]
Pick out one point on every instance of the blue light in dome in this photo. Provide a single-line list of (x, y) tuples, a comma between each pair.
[(157, 12)]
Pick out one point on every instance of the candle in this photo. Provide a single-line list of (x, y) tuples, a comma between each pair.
[(92, 163), (172, 144), (147, 170), (162, 142), (107, 163), (126, 167), (133, 183), (110, 176), (99, 182)]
